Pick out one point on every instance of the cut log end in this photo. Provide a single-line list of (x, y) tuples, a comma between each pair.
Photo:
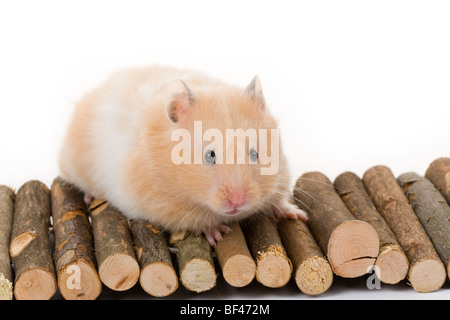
[(79, 281), (314, 276), (427, 275), (119, 272), (198, 275), (6, 288), (239, 270), (392, 264), (35, 284), (273, 268), (353, 248), (159, 279)]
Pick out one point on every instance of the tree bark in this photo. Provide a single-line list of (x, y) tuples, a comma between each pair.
[(158, 277), (117, 265), (439, 174), (312, 272), (273, 267), (351, 245), (29, 247), (74, 251), (392, 263), (238, 266), (195, 263), (432, 211), (7, 198), (426, 272)]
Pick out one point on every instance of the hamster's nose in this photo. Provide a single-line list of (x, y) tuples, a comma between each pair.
[(236, 198)]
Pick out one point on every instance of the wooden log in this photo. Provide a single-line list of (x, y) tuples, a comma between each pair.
[(117, 265), (195, 263), (29, 247), (273, 267), (351, 245), (7, 198), (439, 174), (432, 211), (391, 264), (158, 277), (312, 272), (426, 272), (74, 251), (238, 266)]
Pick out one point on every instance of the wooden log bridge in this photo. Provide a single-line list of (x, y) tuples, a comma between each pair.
[(50, 241)]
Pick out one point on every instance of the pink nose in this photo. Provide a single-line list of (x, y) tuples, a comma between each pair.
[(237, 198)]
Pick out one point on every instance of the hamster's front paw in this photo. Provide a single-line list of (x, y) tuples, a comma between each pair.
[(287, 210), (215, 234)]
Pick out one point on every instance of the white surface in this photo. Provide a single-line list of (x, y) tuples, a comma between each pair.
[(353, 83), (342, 289)]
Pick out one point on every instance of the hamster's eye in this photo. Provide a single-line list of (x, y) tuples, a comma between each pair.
[(210, 157), (253, 155)]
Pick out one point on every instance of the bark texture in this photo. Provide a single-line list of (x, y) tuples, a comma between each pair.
[(392, 262), (75, 262), (351, 245), (30, 248), (432, 211), (439, 174), (426, 272), (158, 277), (195, 263), (312, 272), (7, 198), (273, 267), (117, 265), (238, 266)]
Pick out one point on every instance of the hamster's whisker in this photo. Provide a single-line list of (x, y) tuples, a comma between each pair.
[(295, 198), (304, 192), (325, 183), (277, 207), (309, 195), (289, 195)]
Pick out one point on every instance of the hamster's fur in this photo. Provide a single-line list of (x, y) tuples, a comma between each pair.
[(118, 147)]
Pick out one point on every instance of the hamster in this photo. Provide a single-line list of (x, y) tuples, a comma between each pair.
[(120, 146)]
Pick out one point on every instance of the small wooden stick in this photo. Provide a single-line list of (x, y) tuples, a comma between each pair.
[(426, 272), (439, 174), (74, 251), (392, 263), (238, 266), (351, 245), (273, 267), (312, 272), (432, 211), (117, 265), (158, 277), (7, 198), (195, 263), (30, 247)]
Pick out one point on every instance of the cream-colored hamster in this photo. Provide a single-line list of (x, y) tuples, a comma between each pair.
[(124, 144)]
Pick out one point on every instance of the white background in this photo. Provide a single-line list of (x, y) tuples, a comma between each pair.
[(353, 83)]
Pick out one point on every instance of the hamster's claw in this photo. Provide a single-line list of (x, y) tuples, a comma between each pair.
[(88, 198), (215, 234), (287, 210)]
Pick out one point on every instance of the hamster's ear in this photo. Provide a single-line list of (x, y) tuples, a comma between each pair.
[(178, 100), (254, 91)]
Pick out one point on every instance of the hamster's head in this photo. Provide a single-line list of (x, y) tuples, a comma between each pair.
[(225, 147)]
